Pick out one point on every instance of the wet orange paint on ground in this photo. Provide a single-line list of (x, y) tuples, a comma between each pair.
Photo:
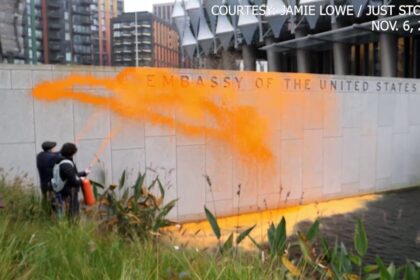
[(200, 235)]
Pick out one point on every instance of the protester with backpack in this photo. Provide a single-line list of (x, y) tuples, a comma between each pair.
[(66, 181)]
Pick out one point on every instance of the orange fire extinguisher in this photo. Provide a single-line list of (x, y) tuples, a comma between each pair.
[(88, 192)]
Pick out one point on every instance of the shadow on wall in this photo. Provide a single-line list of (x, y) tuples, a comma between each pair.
[(392, 225)]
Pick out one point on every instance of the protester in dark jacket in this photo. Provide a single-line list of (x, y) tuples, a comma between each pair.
[(70, 174), (45, 161)]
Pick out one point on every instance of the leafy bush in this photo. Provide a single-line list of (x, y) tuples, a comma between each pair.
[(140, 214)]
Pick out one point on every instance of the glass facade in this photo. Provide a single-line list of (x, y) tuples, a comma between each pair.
[(69, 31), (58, 32), (144, 38)]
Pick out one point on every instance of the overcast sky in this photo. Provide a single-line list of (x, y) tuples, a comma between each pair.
[(142, 5)]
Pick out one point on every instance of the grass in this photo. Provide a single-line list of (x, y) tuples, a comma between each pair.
[(33, 246)]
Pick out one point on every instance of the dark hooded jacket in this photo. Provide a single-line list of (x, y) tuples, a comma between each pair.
[(45, 162)]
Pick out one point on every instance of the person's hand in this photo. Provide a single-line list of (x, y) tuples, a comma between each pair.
[(88, 170)]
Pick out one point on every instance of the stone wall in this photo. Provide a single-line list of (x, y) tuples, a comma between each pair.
[(369, 141)]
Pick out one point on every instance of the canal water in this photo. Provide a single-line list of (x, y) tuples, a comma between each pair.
[(392, 224)]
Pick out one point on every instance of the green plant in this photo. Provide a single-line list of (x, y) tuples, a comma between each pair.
[(334, 262), (228, 244), (277, 238), (412, 270), (139, 214)]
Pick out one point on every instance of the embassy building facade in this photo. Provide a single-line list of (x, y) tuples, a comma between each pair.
[(343, 37)]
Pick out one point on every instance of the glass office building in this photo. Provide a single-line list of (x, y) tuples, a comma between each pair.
[(57, 31), (144, 38), (326, 44)]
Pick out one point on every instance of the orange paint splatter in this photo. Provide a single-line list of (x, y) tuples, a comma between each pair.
[(239, 109)]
